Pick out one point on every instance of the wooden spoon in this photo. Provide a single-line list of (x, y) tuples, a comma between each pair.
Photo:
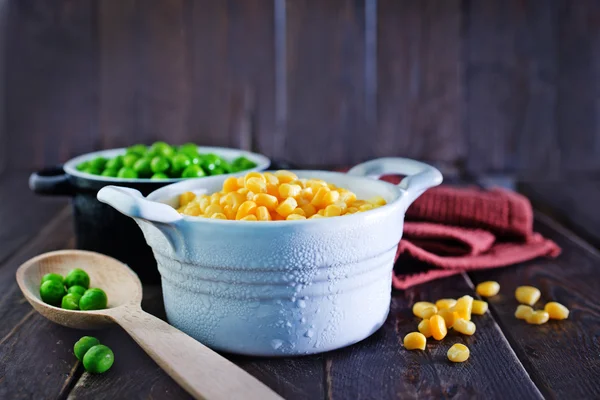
[(198, 369)]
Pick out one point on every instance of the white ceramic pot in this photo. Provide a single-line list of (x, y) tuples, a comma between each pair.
[(280, 287)]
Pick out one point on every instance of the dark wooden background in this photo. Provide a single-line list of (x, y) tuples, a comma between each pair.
[(490, 86)]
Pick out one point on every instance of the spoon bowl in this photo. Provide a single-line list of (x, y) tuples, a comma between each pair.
[(198, 369)]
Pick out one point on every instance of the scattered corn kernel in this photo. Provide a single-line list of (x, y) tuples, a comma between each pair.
[(331, 197), (256, 185), (458, 353), (295, 217), (230, 184), (378, 201), (523, 312), (538, 317), (333, 211), (287, 190), (479, 307), (212, 209), (424, 309), (262, 214), (218, 216), (185, 198), (414, 341), (263, 199), (285, 176), (463, 326), (318, 198), (527, 295), (444, 304), (249, 217), (464, 307), (287, 207), (247, 208), (449, 317), (437, 325), (299, 211), (425, 328), (488, 288), (556, 310)]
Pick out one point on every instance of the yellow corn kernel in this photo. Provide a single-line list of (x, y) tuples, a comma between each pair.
[(527, 295), (463, 326), (424, 328), (230, 184), (287, 207), (215, 198), (463, 307), (415, 341), (315, 216), (299, 182), (271, 179), (343, 206), (193, 209), (523, 312), (251, 175), (246, 208), (185, 198), (287, 190), (262, 213), (424, 309), (538, 317), (229, 211), (377, 201), (317, 199), (488, 288), (437, 325), (309, 210), (204, 203), (444, 304), (249, 217), (218, 216), (243, 191), (321, 212), (449, 317), (250, 195), (302, 201), (351, 210), (347, 197), (331, 197), (276, 217), (273, 190), (479, 307), (316, 184), (266, 200), (241, 182), (556, 310), (458, 353), (212, 209), (295, 217), (232, 199), (299, 211), (358, 203), (284, 176), (365, 207), (333, 211), (307, 193), (256, 185)]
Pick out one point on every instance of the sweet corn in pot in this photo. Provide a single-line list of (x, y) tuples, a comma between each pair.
[(275, 197)]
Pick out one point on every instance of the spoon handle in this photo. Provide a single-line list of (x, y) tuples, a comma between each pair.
[(199, 370)]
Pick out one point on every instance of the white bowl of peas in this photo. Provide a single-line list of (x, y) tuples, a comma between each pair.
[(278, 263)]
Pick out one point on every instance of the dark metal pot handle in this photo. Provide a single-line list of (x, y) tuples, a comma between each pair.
[(51, 181)]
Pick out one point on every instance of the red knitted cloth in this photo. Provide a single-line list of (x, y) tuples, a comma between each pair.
[(450, 230)]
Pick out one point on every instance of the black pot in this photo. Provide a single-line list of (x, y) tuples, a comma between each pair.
[(99, 227)]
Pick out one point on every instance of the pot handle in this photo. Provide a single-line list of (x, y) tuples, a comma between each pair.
[(51, 181), (418, 176), (133, 204)]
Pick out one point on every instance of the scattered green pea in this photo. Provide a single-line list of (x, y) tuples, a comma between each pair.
[(193, 171), (98, 163), (159, 164), (82, 166), (76, 289), (98, 359), (115, 163), (142, 167), (52, 277), (179, 163), (77, 277), (83, 345), (137, 149), (52, 292), (70, 301), (93, 299), (161, 149), (159, 176), (190, 149), (130, 159), (110, 173), (127, 173)]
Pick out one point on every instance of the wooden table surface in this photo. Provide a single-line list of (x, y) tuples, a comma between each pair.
[(509, 359)]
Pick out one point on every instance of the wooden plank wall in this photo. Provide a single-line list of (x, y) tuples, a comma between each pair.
[(492, 86)]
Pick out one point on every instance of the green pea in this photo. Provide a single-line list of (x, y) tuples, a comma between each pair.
[(161, 149), (92, 170), (193, 171), (52, 277), (142, 167), (159, 175), (242, 163), (127, 173), (217, 171), (98, 163), (52, 292), (137, 149), (83, 345), (82, 166), (225, 166), (93, 299), (130, 159), (114, 163), (179, 163), (98, 359), (159, 164), (77, 277), (196, 160), (76, 289), (70, 301), (189, 149), (110, 173)]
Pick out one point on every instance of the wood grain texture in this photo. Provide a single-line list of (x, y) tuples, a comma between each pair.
[(560, 356), (326, 118), (511, 74), (380, 367), (419, 64), (50, 80)]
